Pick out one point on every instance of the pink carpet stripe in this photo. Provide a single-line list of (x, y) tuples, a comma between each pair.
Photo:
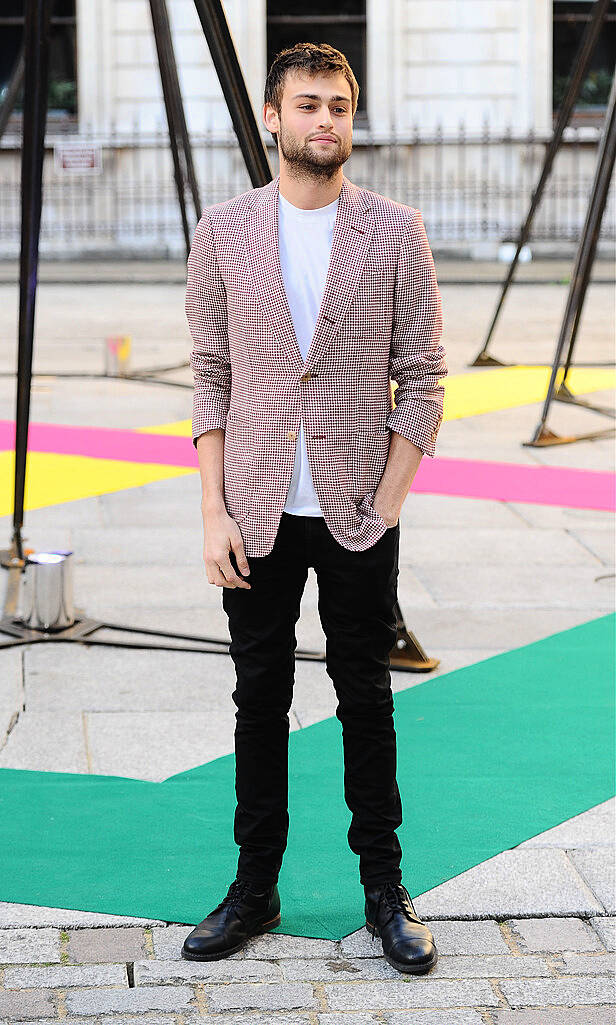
[(467, 478), (104, 443), (514, 482)]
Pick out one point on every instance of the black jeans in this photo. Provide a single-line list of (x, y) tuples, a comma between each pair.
[(357, 593)]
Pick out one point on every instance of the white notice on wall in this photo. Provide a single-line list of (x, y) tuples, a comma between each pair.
[(73, 156)]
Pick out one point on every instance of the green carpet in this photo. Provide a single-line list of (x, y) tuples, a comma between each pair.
[(488, 756)]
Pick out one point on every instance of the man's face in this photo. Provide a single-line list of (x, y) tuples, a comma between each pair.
[(313, 106)]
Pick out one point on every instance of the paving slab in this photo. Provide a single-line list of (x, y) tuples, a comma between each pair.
[(11, 689), (63, 976), (552, 992), (556, 1016), (470, 545), (87, 946), (606, 928), (148, 973), (588, 964), (561, 516), (503, 628), (148, 998), (106, 592), (420, 509), (536, 935), (130, 1019), (250, 1018), (115, 680), (597, 867), (593, 828), (522, 585), (514, 883), (34, 743), (278, 996), (424, 992), (156, 745), (599, 542), (152, 546), (449, 1017), (15, 916), (19, 1006), (29, 946), (261, 1018)]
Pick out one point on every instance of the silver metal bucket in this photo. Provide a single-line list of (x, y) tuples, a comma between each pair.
[(47, 591)]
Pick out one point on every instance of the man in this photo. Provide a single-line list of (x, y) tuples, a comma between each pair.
[(304, 298)]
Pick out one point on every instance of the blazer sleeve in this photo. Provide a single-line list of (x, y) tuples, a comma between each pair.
[(417, 358), (206, 312)]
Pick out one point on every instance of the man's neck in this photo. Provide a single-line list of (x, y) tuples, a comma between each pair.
[(309, 194)]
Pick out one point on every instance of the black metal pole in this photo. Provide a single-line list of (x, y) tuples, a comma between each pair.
[(37, 42), (580, 67), (586, 249), (176, 121), (222, 50)]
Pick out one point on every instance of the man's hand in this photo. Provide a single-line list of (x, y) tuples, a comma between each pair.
[(387, 510), (402, 464), (221, 535)]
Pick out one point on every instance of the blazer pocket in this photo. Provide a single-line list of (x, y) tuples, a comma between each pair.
[(367, 459)]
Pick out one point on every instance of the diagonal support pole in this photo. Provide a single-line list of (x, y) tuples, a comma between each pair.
[(583, 265), (581, 63)]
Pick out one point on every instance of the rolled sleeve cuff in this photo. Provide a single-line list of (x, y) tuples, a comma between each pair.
[(209, 415), (419, 421)]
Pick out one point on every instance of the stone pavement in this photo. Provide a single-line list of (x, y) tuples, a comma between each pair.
[(525, 938)]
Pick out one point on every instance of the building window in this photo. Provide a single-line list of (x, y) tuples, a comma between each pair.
[(290, 22), (570, 18), (62, 92)]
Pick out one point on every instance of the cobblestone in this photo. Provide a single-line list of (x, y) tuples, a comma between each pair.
[(99, 945), (554, 934), (252, 1018), (606, 928), (268, 996), (17, 1006), (59, 976), (148, 972), (556, 1016), (29, 946), (568, 991), (148, 998), (415, 992), (588, 964)]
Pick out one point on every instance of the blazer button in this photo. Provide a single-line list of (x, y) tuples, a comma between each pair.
[(307, 376), (292, 435)]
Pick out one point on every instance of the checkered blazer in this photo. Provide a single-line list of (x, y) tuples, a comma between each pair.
[(380, 319)]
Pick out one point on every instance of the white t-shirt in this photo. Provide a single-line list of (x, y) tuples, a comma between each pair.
[(304, 241)]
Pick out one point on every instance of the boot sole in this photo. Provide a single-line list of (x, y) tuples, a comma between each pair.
[(406, 968), (266, 927)]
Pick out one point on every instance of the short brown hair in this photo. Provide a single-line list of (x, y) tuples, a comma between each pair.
[(312, 58)]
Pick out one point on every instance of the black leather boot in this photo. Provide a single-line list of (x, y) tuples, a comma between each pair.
[(408, 944), (240, 915)]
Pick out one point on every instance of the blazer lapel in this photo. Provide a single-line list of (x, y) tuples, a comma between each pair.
[(351, 239)]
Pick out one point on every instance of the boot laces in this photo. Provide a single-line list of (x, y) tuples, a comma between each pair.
[(237, 892), (395, 897)]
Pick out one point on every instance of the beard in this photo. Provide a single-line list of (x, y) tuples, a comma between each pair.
[(309, 160)]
